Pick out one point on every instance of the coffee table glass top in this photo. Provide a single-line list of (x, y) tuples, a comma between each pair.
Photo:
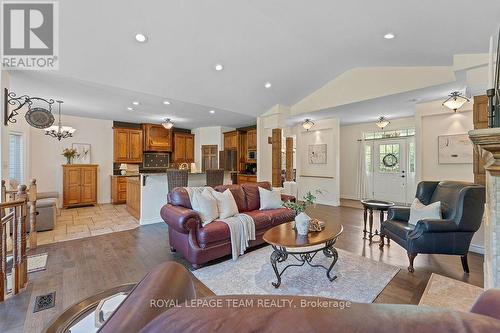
[(284, 235)]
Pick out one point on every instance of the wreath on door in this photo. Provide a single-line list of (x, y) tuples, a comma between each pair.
[(390, 160)]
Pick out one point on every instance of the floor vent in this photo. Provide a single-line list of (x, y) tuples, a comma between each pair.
[(45, 302)]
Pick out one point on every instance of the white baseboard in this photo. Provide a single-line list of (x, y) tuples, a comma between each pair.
[(335, 203), (476, 248), (350, 197), (151, 221)]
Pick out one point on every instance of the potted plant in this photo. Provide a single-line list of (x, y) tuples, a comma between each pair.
[(301, 218), (69, 153)]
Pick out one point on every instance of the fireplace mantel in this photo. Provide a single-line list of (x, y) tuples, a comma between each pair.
[(487, 144)]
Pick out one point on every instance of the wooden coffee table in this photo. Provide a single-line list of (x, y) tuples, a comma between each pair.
[(285, 241)]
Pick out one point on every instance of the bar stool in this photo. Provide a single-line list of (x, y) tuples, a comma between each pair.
[(177, 178), (215, 177)]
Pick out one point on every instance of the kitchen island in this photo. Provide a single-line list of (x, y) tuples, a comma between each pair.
[(154, 190)]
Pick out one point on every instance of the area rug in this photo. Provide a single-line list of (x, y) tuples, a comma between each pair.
[(359, 279), (444, 292)]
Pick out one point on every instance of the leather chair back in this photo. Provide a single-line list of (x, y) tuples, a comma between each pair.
[(461, 202)]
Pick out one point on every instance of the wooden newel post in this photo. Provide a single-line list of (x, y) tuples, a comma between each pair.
[(21, 258), (32, 212), (3, 197)]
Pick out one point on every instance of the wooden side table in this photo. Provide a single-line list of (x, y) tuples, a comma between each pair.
[(369, 206)]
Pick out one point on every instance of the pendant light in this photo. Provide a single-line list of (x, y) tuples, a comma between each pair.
[(455, 101), (59, 131), (307, 124), (168, 124), (382, 122)]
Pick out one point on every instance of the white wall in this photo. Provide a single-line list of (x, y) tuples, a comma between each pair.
[(433, 120), (44, 157), (264, 152), (349, 136), (324, 132)]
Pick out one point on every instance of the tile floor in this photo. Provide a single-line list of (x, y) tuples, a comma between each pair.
[(75, 223)]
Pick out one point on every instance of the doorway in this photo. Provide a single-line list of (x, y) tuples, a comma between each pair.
[(209, 157), (390, 171)]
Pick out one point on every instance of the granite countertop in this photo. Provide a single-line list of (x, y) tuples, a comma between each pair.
[(164, 173)]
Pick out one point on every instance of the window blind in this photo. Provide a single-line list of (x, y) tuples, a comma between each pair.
[(16, 160)]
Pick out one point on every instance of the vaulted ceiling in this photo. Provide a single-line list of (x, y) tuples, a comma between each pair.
[(298, 46)]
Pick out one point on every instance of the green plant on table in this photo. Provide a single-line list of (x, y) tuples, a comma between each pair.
[(300, 206)]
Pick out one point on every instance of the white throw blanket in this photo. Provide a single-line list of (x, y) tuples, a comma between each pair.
[(242, 229), (241, 226)]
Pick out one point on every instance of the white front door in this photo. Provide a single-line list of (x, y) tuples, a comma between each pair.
[(390, 170)]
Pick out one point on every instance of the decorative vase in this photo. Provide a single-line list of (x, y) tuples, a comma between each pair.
[(68, 160), (302, 223)]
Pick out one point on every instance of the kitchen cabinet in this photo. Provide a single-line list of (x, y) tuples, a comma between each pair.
[(118, 189), (246, 179), (183, 148), (134, 196), (79, 184), (231, 140), (252, 139), (157, 138), (127, 145)]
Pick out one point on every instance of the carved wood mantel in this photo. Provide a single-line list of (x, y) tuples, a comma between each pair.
[(487, 144)]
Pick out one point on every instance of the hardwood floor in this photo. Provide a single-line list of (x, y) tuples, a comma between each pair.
[(81, 268)]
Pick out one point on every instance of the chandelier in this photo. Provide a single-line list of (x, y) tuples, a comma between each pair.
[(455, 101), (59, 131)]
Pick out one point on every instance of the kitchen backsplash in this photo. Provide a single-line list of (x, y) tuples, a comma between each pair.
[(156, 160)]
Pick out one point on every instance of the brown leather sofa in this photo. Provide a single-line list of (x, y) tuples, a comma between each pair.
[(166, 301), (199, 244)]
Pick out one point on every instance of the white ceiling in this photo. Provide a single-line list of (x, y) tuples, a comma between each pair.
[(84, 98), (298, 46)]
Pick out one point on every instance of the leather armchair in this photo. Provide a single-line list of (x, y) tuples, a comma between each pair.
[(462, 207)]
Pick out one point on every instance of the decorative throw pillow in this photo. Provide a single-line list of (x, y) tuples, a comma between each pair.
[(269, 199), (225, 203), (206, 206), (419, 211)]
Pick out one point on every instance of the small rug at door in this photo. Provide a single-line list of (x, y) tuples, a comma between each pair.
[(444, 292), (359, 279), (37, 262)]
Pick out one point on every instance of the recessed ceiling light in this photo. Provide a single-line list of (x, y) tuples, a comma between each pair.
[(212, 111), (389, 35), (141, 38), (218, 67), (166, 102), (267, 85), (130, 108), (135, 103)]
